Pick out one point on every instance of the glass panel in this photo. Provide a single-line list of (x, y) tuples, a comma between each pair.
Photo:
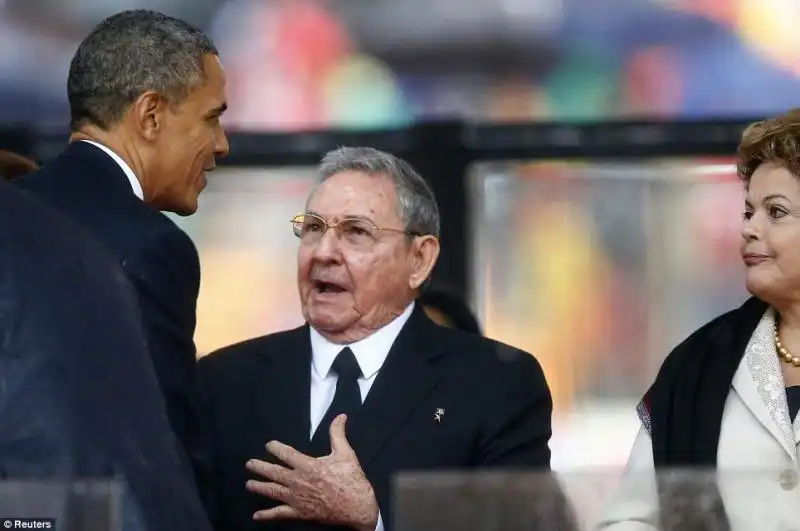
[(247, 249), (87, 505), (600, 269), (696, 499)]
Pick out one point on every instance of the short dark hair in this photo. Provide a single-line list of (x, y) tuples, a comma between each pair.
[(775, 140), (128, 54), (13, 165)]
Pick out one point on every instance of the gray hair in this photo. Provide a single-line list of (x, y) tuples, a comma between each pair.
[(416, 203), (128, 54)]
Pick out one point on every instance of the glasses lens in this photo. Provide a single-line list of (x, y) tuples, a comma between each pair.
[(308, 226), (357, 232)]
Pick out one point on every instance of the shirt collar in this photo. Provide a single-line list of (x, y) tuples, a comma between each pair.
[(135, 184), (370, 352)]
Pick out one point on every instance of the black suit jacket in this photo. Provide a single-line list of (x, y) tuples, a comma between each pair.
[(78, 394), (497, 410), (159, 259)]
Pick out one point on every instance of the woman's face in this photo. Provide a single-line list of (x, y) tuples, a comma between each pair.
[(771, 235)]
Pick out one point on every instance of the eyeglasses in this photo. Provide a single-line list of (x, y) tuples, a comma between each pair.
[(356, 232)]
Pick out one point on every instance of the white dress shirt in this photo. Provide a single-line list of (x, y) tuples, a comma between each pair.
[(136, 186), (370, 354)]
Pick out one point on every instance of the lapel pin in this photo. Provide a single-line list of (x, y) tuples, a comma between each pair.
[(438, 414)]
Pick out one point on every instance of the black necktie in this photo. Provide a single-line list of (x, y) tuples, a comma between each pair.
[(346, 400)]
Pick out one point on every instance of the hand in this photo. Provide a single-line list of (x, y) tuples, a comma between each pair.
[(331, 489)]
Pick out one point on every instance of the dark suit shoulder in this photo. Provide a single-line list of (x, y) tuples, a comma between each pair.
[(166, 238), (153, 220), (88, 186), (488, 356), (508, 397), (265, 348)]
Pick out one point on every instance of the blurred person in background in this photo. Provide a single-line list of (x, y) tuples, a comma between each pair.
[(13, 165), (446, 308), (728, 397), (80, 400), (146, 93), (433, 397)]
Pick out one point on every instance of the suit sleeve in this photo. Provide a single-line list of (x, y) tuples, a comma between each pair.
[(634, 507), (165, 271), (518, 422), (210, 462)]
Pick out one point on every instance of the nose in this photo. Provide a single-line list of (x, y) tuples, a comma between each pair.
[(751, 230), (221, 146), (328, 248)]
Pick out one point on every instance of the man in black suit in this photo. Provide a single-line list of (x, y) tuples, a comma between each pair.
[(79, 395), (413, 395), (146, 93)]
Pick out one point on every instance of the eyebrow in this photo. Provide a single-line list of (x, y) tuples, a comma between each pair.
[(218, 110), (346, 216), (776, 196), (770, 197)]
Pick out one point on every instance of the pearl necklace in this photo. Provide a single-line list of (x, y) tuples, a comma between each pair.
[(783, 353)]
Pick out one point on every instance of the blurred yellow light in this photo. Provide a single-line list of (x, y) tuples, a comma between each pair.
[(770, 27)]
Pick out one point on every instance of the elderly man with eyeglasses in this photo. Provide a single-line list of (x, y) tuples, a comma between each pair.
[(310, 425)]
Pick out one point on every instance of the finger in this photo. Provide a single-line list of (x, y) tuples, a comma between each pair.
[(288, 455), (281, 512), (269, 490), (269, 470), (339, 443)]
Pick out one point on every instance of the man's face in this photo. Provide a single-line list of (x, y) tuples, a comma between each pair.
[(189, 143), (350, 287)]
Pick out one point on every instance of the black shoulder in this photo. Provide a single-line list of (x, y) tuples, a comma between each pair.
[(493, 359), (156, 224), (243, 353), (163, 236)]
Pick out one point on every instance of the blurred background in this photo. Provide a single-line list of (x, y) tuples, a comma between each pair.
[(581, 151), (311, 64)]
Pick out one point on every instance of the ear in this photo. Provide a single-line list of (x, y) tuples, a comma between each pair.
[(426, 252), (147, 114)]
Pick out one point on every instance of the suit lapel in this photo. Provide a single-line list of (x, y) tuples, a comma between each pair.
[(408, 375), (283, 398), (759, 383)]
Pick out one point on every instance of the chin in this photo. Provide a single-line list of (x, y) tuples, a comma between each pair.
[(185, 209), (324, 320), (763, 288), (327, 319), (753, 285)]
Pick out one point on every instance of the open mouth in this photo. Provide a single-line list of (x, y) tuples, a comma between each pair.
[(328, 287)]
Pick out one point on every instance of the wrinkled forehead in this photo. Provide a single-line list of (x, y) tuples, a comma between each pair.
[(356, 194)]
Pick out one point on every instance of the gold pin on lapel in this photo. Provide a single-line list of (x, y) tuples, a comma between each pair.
[(438, 414)]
